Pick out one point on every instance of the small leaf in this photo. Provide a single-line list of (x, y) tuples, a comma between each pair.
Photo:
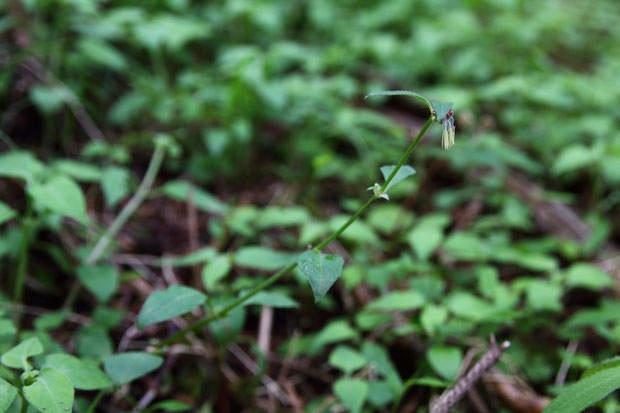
[(182, 190), (346, 359), (18, 355), (169, 303), (7, 395), (432, 317), (6, 213), (125, 367), (352, 392), (262, 258), (20, 164), (588, 276), (215, 270), (51, 392), (115, 184), (82, 375), (100, 280), (197, 257), (321, 270), (576, 397), (441, 108), (402, 93), (445, 360), (398, 300), (80, 171), (404, 172), (60, 195)]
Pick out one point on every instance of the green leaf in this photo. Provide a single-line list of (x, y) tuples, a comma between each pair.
[(277, 217), (588, 276), (20, 164), (321, 270), (404, 172), (199, 256), (603, 365), (445, 360), (427, 235), (262, 258), (402, 93), (334, 332), (169, 406), (125, 367), (347, 359), (441, 108), (272, 299), (18, 355), (48, 99), (182, 190), (215, 270), (115, 184), (94, 341), (100, 280), (576, 397), (7, 395), (432, 317), (352, 392), (78, 170), (60, 195), (6, 213), (7, 328), (169, 303), (83, 376), (51, 392), (574, 157), (398, 301)]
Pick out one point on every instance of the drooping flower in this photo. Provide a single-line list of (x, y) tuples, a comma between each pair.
[(447, 135)]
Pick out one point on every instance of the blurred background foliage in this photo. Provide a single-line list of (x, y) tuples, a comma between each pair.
[(512, 231)]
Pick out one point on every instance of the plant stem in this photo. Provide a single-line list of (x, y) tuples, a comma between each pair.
[(275, 277), (22, 263), (127, 211), (93, 405)]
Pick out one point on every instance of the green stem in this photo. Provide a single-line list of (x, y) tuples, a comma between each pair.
[(22, 263), (275, 277), (127, 211), (93, 405)]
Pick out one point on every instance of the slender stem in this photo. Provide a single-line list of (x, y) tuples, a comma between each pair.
[(95, 402), (22, 263), (275, 277), (127, 211), (130, 207)]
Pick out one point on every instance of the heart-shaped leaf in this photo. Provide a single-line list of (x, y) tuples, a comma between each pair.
[(125, 367), (404, 172), (18, 355), (169, 303), (51, 392), (441, 108), (352, 392), (322, 271), (82, 375), (100, 280), (7, 395)]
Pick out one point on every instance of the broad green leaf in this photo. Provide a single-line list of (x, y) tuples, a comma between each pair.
[(169, 303), (543, 295), (182, 190), (358, 232), (352, 392), (277, 217), (7, 395), (432, 317), (388, 218), (321, 270), (576, 397), (469, 306), (101, 53), (226, 329), (115, 184), (50, 320), (334, 332), (404, 172), (125, 367), (445, 360), (588, 276), (402, 93), (17, 357), (603, 365), (100, 280), (7, 328), (426, 236), (83, 376), (262, 258), (347, 359), (215, 270), (574, 157), (378, 355), (60, 195), (197, 257), (272, 299), (80, 171), (94, 341), (20, 164), (6, 213), (399, 301), (441, 108), (51, 392)]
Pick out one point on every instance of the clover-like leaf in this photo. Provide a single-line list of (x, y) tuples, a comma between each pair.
[(321, 270), (18, 355), (404, 172), (51, 392), (169, 303)]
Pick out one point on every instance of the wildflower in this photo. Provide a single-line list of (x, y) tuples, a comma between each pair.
[(447, 135)]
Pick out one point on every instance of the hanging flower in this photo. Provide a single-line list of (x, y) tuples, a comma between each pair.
[(447, 135)]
